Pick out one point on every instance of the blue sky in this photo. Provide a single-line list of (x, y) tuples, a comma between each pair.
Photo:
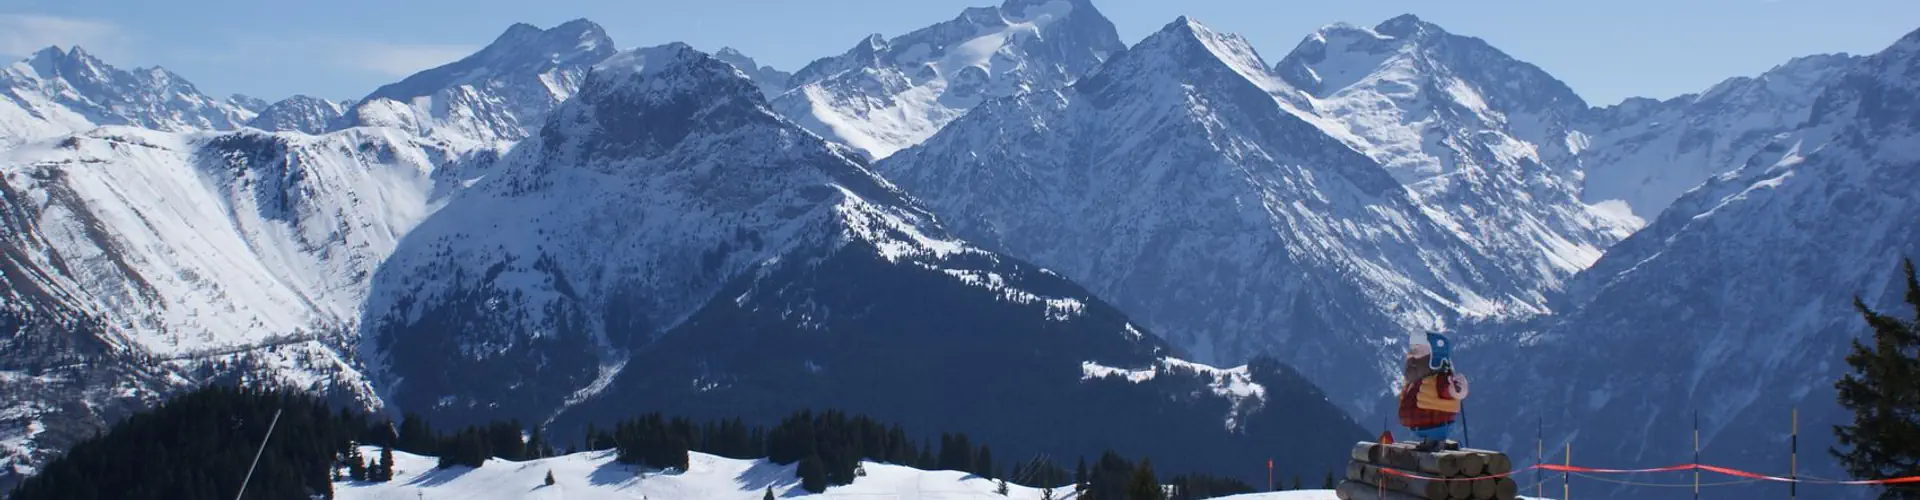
[(1605, 49)]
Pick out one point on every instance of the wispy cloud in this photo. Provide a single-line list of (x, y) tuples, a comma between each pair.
[(396, 59), (22, 34)]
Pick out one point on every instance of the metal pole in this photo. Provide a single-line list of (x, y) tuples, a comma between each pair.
[(1793, 472), (1696, 454), (1466, 431), (257, 453)]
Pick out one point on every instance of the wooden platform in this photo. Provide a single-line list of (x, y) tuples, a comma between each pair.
[(1380, 472)]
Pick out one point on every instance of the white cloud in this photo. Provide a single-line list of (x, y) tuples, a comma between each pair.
[(22, 34), (397, 59)]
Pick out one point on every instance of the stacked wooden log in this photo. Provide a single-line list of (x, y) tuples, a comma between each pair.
[(1398, 472)]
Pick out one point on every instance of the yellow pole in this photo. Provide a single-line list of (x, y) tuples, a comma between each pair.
[(1566, 487)]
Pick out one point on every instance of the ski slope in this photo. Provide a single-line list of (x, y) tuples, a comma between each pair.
[(596, 476)]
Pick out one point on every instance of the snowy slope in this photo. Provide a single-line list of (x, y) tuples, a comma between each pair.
[(887, 94), (200, 257), (282, 228), (1646, 153), (595, 476), (495, 97), (1736, 302), (1485, 143), (1179, 181), (57, 92)]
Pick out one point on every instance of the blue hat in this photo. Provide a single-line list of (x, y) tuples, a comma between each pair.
[(1442, 350)]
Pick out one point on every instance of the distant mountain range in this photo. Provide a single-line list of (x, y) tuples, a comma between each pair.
[(1004, 215)]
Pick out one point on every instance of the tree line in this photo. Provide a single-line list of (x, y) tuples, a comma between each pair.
[(200, 445)]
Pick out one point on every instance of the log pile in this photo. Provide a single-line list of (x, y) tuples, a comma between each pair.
[(1380, 472)]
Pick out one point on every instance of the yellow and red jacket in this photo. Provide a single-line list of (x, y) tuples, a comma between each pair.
[(1429, 402)]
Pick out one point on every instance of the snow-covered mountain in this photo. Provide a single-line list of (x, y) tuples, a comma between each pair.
[(667, 243), (887, 94), (62, 91), (495, 97), (184, 258), (1646, 153), (300, 113), (1181, 181), (1484, 142), (772, 81), (1736, 302)]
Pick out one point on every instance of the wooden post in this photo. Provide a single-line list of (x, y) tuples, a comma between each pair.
[(1566, 484)]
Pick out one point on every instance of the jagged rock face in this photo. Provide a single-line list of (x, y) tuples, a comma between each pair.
[(1646, 153), (884, 95), (58, 92), (1486, 143), (495, 97), (772, 82), (306, 114), (1180, 182)]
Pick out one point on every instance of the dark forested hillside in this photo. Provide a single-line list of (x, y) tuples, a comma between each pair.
[(199, 445)]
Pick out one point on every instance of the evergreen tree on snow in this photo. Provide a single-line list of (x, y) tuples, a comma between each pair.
[(1883, 440), (356, 464), (383, 471), (1143, 485), (813, 474)]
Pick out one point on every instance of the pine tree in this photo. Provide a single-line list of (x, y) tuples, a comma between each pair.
[(1297, 484), (1046, 493), (1000, 486), (1328, 483), (1080, 475), (1143, 486), (926, 461), (769, 495), (384, 471), (1884, 439), (550, 478), (356, 464), (537, 445), (983, 463), (813, 474)]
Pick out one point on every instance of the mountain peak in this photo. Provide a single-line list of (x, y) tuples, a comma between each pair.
[(522, 52), (642, 102), (1179, 40), (518, 31), (1406, 25), (650, 60), (54, 61)]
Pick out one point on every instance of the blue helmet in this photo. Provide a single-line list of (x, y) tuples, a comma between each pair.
[(1442, 351)]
